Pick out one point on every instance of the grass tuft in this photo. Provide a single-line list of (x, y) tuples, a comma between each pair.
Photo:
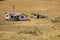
[(56, 20)]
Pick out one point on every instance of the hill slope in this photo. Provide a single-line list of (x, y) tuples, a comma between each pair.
[(35, 29)]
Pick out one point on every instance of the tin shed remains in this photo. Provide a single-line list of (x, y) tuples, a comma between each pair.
[(16, 16), (37, 15)]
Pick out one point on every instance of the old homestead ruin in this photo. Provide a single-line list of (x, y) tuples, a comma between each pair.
[(16, 16)]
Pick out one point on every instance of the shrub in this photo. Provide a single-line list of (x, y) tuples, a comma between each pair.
[(58, 35), (30, 30), (56, 20)]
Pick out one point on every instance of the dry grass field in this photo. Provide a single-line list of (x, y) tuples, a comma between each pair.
[(35, 29)]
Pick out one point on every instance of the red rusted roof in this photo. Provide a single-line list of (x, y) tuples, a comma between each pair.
[(15, 14), (35, 14)]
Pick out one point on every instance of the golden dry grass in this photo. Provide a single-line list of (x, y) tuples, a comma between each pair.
[(24, 30)]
